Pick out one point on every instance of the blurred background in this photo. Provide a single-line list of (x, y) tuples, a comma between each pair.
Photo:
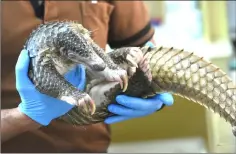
[(208, 29)]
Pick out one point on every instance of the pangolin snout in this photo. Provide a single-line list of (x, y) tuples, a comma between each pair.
[(99, 67)]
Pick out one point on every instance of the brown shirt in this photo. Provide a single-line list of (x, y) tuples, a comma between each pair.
[(117, 23)]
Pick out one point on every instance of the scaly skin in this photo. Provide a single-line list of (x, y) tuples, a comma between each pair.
[(175, 71), (56, 47), (151, 71)]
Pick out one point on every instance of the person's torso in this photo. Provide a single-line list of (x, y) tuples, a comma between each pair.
[(18, 20)]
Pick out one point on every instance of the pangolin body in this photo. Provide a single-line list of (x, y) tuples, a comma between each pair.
[(151, 71), (55, 48)]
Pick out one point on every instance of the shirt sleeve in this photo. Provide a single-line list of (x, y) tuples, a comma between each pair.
[(129, 24)]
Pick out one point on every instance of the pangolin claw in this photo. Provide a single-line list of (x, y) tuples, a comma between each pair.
[(83, 103), (125, 83), (92, 107), (88, 102)]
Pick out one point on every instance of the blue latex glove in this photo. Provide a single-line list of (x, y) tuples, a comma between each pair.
[(132, 107), (150, 44), (39, 107)]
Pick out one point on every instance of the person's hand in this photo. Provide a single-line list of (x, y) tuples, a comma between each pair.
[(132, 107), (40, 107)]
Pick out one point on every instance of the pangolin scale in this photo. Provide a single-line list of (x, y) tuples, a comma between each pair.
[(56, 47)]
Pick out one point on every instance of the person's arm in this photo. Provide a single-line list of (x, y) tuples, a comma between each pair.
[(35, 109), (14, 122), (129, 24)]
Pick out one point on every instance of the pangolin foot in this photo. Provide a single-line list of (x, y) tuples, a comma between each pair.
[(118, 75), (82, 101), (133, 57)]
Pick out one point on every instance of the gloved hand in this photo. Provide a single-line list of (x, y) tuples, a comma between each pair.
[(40, 107), (132, 107)]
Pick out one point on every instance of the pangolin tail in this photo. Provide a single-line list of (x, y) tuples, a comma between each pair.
[(192, 77)]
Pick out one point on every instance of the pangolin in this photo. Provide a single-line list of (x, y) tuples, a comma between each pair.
[(56, 47)]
